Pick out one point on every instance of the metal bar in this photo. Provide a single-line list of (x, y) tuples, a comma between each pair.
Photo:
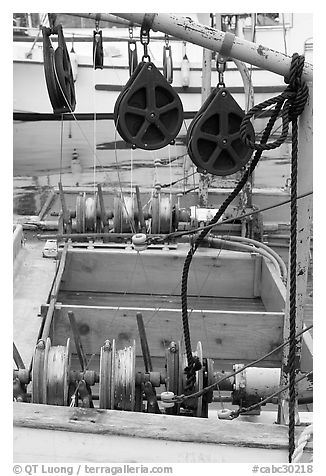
[(54, 293), (304, 223), (106, 17), (17, 358), (144, 343), (202, 35), (78, 344)]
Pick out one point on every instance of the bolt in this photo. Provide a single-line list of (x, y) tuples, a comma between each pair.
[(173, 347), (224, 141), (224, 93), (107, 346), (41, 345)]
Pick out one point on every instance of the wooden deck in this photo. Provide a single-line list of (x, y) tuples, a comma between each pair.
[(78, 434)]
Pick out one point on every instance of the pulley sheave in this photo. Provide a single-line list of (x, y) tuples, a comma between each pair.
[(58, 72), (148, 113), (213, 138)]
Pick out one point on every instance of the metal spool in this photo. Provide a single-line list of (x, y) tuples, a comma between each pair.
[(124, 214), (80, 213), (56, 373), (148, 113), (162, 217), (91, 213), (213, 138), (38, 373), (58, 72), (118, 377), (106, 394)]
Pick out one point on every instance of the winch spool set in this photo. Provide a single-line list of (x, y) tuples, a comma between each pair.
[(90, 215), (58, 71), (119, 386)]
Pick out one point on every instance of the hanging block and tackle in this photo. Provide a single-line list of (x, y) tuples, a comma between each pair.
[(213, 138), (97, 46), (58, 71), (148, 113)]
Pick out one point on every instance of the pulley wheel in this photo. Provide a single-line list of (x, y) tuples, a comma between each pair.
[(56, 373), (148, 113), (90, 213), (124, 214), (125, 378), (38, 373), (107, 359), (161, 211), (213, 138), (58, 72), (80, 213)]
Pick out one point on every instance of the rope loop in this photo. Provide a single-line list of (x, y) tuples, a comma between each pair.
[(292, 100)]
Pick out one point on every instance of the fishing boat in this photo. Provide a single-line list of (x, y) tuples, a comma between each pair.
[(114, 366)]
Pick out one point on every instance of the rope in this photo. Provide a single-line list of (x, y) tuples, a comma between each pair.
[(191, 368), (295, 110), (181, 398), (288, 105), (305, 436)]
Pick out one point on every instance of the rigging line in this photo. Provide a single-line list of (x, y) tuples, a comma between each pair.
[(94, 123), (81, 130), (250, 364), (61, 147), (131, 275), (229, 220), (165, 185), (284, 33), (129, 218), (131, 171)]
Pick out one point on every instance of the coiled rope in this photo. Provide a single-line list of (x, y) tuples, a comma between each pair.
[(288, 105), (303, 439)]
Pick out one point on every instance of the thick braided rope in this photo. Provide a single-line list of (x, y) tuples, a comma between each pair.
[(192, 364), (296, 108), (303, 439), (294, 98)]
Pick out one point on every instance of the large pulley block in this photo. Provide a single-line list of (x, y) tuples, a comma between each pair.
[(58, 72), (213, 138), (148, 113)]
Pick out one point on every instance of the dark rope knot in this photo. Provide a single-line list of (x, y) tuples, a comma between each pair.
[(190, 371), (298, 88), (290, 104)]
